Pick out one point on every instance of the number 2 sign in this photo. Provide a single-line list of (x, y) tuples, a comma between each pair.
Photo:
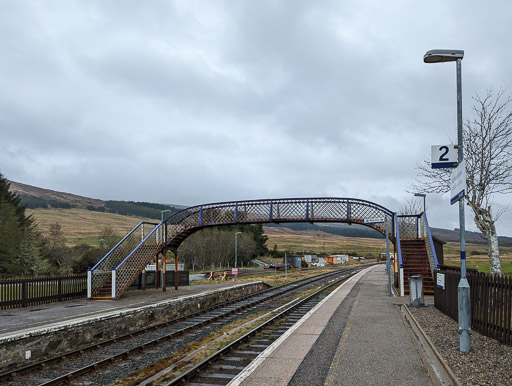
[(444, 156)]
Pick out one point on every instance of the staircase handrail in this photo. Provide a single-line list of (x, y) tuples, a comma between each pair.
[(119, 243), (399, 252), (398, 247), (431, 249), (102, 271), (126, 271), (138, 246)]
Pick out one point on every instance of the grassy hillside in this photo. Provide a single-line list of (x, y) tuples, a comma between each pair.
[(313, 242), (73, 200), (81, 226)]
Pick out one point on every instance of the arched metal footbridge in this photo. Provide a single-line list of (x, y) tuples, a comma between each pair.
[(121, 266)]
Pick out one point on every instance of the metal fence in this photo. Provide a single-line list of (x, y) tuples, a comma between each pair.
[(491, 301), (15, 293)]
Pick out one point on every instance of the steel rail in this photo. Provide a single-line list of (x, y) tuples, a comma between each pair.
[(267, 295), (186, 377)]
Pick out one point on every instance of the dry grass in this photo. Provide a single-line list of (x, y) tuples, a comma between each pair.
[(478, 261), (275, 278), (81, 226), (313, 242)]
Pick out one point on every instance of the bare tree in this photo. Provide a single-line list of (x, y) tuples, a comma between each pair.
[(216, 247), (411, 206), (488, 156)]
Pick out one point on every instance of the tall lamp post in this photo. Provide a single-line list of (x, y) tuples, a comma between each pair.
[(101, 247), (236, 252), (162, 220), (164, 256), (424, 198), (464, 306)]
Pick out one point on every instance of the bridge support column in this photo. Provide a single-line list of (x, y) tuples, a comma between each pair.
[(176, 269), (143, 279), (164, 267), (157, 272)]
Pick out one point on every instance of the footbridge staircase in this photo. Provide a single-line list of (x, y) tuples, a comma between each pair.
[(118, 269), (415, 251)]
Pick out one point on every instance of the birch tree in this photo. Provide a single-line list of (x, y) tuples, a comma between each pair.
[(488, 155)]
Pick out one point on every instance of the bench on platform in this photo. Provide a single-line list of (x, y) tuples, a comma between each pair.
[(222, 274)]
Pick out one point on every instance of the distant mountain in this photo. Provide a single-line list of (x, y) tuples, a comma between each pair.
[(340, 229), (471, 237), (30, 193), (34, 197), (356, 230)]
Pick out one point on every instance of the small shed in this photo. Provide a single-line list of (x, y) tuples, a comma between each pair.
[(293, 261), (310, 258), (330, 260)]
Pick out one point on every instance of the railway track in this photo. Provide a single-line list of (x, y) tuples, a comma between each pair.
[(225, 364), (107, 361)]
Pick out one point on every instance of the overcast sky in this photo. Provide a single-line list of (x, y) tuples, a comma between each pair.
[(190, 102)]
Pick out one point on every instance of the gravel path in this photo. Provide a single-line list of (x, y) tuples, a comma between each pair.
[(488, 363)]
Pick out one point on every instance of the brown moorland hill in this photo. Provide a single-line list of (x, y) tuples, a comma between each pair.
[(49, 195), (313, 242)]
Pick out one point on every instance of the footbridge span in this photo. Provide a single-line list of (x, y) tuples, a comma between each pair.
[(115, 272)]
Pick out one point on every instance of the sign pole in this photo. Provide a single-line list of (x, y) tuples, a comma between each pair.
[(388, 268), (464, 305)]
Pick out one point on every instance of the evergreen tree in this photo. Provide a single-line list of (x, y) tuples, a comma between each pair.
[(19, 245)]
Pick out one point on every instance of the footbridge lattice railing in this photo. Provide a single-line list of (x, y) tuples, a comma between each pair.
[(344, 210)]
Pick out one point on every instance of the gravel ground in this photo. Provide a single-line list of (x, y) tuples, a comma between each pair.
[(488, 363)]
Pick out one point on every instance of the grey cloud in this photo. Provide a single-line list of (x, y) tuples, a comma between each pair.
[(213, 101)]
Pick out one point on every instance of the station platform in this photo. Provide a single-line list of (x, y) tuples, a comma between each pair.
[(19, 320), (355, 336)]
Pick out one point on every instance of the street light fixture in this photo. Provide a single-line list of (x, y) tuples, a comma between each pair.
[(464, 306), (424, 198), (236, 253), (442, 56)]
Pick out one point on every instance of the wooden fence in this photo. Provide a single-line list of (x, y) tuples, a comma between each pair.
[(16, 293), (491, 301)]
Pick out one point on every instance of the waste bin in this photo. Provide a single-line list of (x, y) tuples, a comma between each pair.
[(416, 291)]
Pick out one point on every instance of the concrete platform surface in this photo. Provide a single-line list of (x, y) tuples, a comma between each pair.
[(355, 336), (44, 315)]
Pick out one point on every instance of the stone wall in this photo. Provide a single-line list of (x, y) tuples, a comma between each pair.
[(29, 347)]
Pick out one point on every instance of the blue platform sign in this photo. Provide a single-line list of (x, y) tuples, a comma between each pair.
[(458, 183), (376, 220), (444, 156)]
